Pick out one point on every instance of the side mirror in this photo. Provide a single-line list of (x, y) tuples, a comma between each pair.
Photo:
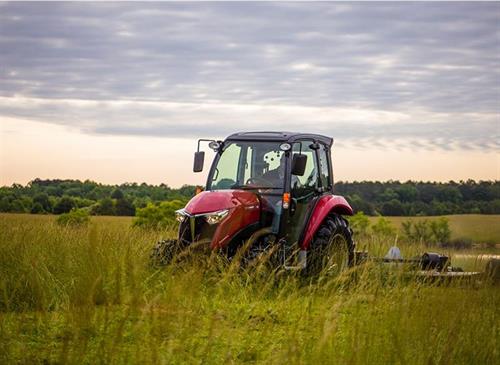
[(199, 158), (299, 164)]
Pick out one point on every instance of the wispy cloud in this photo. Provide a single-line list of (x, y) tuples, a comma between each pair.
[(368, 73)]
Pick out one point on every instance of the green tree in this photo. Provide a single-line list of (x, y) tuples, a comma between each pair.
[(105, 206), (407, 193), (124, 207), (159, 216), (37, 209), (44, 201), (393, 208), (117, 194), (5, 204), (64, 205), (388, 195)]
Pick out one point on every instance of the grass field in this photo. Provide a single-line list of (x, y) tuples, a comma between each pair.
[(476, 227), (88, 295)]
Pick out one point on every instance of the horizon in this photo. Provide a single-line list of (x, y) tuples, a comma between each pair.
[(117, 92), (187, 184)]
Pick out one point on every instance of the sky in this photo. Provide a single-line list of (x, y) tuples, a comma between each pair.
[(119, 92)]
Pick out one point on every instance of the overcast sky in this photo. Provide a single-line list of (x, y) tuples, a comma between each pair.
[(406, 77)]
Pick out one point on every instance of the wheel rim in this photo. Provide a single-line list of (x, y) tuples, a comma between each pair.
[(336, 255)]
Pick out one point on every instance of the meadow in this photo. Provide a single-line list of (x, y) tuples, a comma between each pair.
[(478, 228), (89, 295)]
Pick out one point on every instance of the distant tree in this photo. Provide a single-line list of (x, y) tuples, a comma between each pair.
[(124, 207), (64, 205), (407, 193), (361, 205), (17, 206), (388, 194), (5, 204), (104, 207), (393, 208), (37, 209), (44, 201), (448, 193), (117, 194)]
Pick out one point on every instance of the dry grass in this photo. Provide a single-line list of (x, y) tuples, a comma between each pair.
[(89, 296), (479, 228)]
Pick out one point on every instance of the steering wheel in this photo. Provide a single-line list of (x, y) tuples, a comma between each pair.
[(257, 181)]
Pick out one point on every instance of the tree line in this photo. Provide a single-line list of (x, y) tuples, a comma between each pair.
[(392, 198), (61, 196)]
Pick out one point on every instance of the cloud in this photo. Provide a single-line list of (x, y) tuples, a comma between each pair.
[(367, 73), (358, 126)]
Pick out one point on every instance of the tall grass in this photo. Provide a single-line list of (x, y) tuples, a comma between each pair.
[(89, 295)]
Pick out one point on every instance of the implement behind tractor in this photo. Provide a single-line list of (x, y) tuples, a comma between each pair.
[(270, 193)]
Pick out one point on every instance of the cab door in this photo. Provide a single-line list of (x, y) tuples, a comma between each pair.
[(304, 190)]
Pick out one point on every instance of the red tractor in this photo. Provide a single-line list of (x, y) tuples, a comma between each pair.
[(274, 190)]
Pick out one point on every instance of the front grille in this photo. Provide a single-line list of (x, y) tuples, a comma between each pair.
[(195, 229)]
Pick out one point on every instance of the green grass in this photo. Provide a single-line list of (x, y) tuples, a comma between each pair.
[(88, 295), (477, 227)]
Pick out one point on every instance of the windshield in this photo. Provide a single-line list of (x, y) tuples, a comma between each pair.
[(249, 165)]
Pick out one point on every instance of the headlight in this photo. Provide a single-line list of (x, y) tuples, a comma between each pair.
[(180, 215), (216, 217)]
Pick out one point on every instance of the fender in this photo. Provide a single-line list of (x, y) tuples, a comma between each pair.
[(325, 205)]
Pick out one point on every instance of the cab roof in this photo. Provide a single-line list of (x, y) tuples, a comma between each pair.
[(278, 137)]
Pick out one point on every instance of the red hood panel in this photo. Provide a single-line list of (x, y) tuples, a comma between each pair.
[(244, 209), (212, 201)]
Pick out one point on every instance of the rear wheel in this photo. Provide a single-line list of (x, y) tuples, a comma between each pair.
[(332, 248)]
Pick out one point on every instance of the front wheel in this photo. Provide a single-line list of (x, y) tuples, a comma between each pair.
[(163, 252), (332, 248)]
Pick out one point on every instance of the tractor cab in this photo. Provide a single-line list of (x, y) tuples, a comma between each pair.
[(287, 172)]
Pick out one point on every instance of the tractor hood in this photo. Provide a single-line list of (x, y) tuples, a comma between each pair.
[(243, 209), (213, 201)]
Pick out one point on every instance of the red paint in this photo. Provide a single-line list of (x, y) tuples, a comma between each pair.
[(325, 205), (244, 209)]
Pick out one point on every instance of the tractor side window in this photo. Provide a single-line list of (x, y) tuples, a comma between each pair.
[(324, 170), (305, 184), (226, 174)]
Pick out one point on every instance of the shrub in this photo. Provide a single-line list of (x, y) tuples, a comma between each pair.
[(422, 231), (158, 216), (437, 231), (76, 217), (441, 230), (383, 227), (359, 224)]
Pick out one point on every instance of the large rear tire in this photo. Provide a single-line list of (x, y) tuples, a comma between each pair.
[(332, 248)]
